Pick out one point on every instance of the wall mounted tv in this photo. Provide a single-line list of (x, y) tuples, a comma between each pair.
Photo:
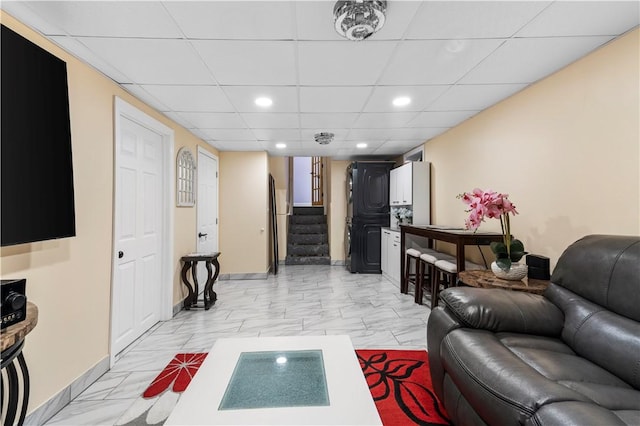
[(36, 166)]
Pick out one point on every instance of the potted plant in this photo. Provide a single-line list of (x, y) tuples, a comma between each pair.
[(494, 205)]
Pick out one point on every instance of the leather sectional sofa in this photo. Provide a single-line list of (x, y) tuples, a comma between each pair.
[(568, 357)]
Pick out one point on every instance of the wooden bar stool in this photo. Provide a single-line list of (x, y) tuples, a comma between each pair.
[(427, 261), (411, 256), (445, 274)]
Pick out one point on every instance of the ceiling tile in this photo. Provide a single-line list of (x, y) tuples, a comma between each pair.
[(78, 49), (109, 18), (251, 20), (421, 97), (226, 120), (326, 63), (333, 99), (277, 134), (285, 98), (24, 11), (578, 18), (526, 60), (378, 120), (472, 19), (327, 121), (240, 145), (398, 146), (474, 96), (229, 134), (190, 98), (440, 118), (240, 62), (394, 134), (436, 61), (165, 61), (268, 120), (140, 93)]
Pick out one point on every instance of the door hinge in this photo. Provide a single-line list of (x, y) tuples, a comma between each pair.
[(216, 174), (216, 220)]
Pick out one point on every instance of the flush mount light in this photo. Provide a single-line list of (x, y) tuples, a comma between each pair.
[(281, 145), (358, 19), (361, 145), (402, 101), (264, 102), (324, 138)]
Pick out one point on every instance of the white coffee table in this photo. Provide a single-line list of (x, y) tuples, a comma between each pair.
[(349, 400)]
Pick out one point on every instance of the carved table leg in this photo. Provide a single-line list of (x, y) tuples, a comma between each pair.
[(194, 275), (185, 281), (15, 376)]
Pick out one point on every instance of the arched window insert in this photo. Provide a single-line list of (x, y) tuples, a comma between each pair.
[(186, 177)]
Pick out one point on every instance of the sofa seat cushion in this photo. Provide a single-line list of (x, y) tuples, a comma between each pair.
[(573, 413), (493, 369)]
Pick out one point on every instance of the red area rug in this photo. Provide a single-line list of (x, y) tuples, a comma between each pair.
[(400, 384), (399, 381)]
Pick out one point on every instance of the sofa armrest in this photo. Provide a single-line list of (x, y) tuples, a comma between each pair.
[(500, 310)]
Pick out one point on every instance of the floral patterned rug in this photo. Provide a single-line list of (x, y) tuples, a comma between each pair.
[(399, 381)]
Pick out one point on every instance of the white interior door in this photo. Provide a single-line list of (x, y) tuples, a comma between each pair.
[(139, 231), (207, 209)]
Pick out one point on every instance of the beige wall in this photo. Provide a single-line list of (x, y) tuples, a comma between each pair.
[(244, 211), (70, 279), (279, 169), (566, 150), (338, 208)]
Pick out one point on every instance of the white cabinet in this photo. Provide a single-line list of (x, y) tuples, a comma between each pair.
[(410, 186), (390, 254), (394, 257), (384, 250)]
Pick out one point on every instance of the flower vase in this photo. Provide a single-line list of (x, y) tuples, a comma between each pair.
[(517, 271)]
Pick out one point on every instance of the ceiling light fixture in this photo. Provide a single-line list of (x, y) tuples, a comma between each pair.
[(361, 145), (324, 138), (264, 102), (402, 101), (358, 19), (281, 145)]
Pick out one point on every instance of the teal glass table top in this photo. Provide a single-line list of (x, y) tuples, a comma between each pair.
[(277, 379)]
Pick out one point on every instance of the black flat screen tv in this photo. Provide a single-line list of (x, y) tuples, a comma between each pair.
[(35, 159)]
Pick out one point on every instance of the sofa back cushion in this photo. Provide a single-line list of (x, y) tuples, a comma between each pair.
[(603, 337), (596, 284), (603, 269)]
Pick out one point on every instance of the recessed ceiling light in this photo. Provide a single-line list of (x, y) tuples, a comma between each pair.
[(281, 145), (264, 102), (402, 101), (361, 145)]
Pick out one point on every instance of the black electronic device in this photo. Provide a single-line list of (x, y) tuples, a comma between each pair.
[(538, 267), (13, 302), (36, 170)]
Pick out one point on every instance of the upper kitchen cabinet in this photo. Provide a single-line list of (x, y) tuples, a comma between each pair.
[(409, 186)]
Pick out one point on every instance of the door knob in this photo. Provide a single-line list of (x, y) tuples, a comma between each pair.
[(200, 235), (120, 254)]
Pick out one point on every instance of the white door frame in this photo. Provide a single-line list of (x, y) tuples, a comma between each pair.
[(202, 151), (122, 109)]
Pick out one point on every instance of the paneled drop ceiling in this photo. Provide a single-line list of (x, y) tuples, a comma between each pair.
[(204, 63)]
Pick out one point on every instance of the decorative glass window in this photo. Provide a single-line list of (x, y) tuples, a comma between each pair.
[(185, 178)]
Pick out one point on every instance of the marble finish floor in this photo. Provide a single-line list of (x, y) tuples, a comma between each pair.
[(300, 300)]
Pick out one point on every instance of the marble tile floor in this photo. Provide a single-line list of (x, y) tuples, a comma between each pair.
[(300, 300)]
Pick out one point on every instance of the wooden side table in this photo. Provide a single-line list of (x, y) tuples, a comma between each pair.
[(14, 368), (190, 262), (486, 279)]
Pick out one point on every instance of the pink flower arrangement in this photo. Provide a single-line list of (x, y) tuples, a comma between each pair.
[(494, 205)]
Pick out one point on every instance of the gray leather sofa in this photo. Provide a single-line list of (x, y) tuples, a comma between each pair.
[(568, 357)]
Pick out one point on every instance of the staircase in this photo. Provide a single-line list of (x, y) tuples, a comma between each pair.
[(308, 239)]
